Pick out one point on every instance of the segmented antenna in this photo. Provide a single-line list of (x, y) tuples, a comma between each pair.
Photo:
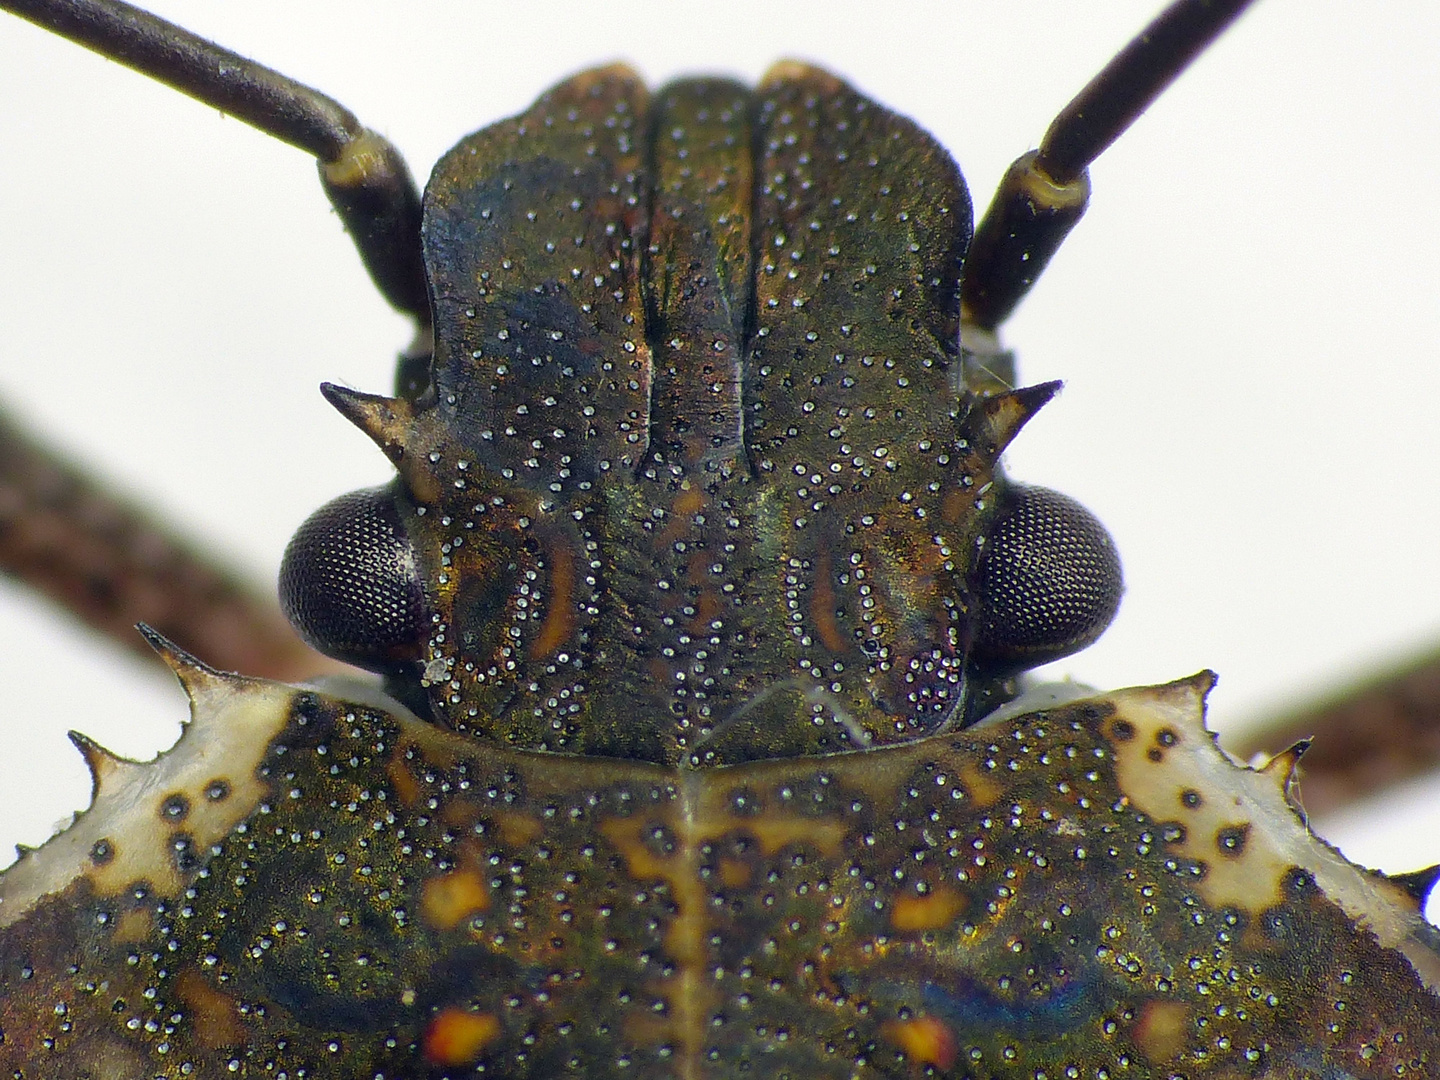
[(1045, 191), (363, 175)]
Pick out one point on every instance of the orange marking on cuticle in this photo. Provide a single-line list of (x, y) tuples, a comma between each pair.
[(822, 606), (707, 610), (450, 899), (776, 833), (459, 814), (1161, 1030), (697, 568), (407, 788), (137, 924), (559, 621), (985, 790), (691, 500), (926, 1041), (953, 505), (456, 1037), (734, 873), (689, 995), (517, 830), (214, 1017), (933, 911)]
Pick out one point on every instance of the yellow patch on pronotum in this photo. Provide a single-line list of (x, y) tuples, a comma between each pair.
[(407, 788), (933, 911), (1162, 1030), (215, 1017), (456, 1037), (926, 1041), (450, 899)]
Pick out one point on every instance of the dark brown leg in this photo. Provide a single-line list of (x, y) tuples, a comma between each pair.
[(109, 562), (1366, 737)]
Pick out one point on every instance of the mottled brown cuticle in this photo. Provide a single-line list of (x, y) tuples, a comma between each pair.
[(1093, 713), (700, 483), (182, 847), (306, 707), (1299, 882)]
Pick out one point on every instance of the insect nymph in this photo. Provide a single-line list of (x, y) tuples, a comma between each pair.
[(698, 478)]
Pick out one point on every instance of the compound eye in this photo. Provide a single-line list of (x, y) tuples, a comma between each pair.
[(1048, 581), (350, 585)]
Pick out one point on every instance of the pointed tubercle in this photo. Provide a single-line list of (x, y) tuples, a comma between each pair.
[(102, 763), (999, 418), (197, 677), (1418, 883), (386, 420), (1281, 768)]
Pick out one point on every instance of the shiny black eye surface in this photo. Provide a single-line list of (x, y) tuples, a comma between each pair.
[(350, 585), (1048, 581)]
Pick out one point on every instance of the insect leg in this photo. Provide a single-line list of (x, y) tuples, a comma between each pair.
[(110, 563), (1380, 731), (364, 176)]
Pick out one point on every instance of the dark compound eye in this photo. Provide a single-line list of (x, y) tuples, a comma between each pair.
[(1048, 581), (350, 585)]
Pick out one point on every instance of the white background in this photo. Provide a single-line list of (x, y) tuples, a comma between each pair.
[(1248, 320)]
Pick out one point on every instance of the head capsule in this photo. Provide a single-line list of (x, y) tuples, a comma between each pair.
[(696, 478)]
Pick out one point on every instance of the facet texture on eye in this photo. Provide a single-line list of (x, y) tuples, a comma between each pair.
[(350, 585), (1049, 580)]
